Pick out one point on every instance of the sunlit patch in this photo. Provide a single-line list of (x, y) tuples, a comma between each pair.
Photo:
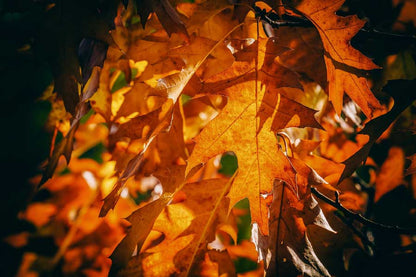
[(216, 244), (236, 47), (72, 214), (118, 99), (90, 179), (140, 66), (113, 129), (317, 89), (152, 102), (107, 185), (217, 161), (134, 252), (124, 193), (125, 119), (265, 195), (297, 142), (352, 112), (344, 125), (295, 120), (203, 115), (158, 190), (255, 237), (148, 183)]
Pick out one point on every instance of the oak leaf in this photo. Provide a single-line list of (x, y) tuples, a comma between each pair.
[(290, 213), (167, 155), (307, 52), (247, 124), (341, 59), (186, 227), (172, 86)]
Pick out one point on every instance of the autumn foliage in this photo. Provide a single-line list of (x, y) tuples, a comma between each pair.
[(222, 138)]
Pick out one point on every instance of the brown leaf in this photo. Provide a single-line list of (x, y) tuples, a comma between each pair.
[(291, 211), (64, 147), (412, 167), (59, 41), (307, 52), (165, 13), (398, 89)]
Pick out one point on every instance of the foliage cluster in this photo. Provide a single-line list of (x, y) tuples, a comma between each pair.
[(214, 138)]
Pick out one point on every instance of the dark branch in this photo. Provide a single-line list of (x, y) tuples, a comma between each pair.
[(369, 245), (387, 35), (275, 21), (358, 217)]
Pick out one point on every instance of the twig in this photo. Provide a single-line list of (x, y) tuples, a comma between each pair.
[(358, 217), (275, 21), (387, 35), (369, 245)]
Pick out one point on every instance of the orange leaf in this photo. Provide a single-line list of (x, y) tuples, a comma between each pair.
[(341, 59), (247, 124), (391, 173)]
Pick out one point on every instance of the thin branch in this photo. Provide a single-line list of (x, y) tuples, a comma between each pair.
[(358, 217), (387, 35), (275, 21), (369, 245)]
